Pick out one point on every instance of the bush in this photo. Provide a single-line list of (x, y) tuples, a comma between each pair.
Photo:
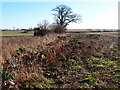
[(42, 29), (25, 31), (59, 29), (41, 32)]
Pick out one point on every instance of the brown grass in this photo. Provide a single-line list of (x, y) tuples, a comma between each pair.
[(12, 43), (75, 50)]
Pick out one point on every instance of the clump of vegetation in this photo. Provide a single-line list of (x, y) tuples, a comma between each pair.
[(25, 31), (41, 32), (94, 60), (99, 55), (109, 63), (6, 75), (42, 29), (87, 80), (59, 29), (62, 37), (20, 51), (117, 77)]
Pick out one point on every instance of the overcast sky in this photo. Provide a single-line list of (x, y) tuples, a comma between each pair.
[(96, 14)]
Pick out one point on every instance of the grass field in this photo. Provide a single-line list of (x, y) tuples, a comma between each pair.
[(16, 33), (116, 33)]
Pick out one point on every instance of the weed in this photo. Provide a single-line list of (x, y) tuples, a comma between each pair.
[(72, 60), (42, 53), (98, 55), (51, 74), (62, 37), (117, 77), (72, 72), (65, 64), (87, 80), (94, 60), (67, 45), (20, 51), (61, 80), (109, 63), (76, 67), (116, 58), (117, 70), (99, 65), (6, 75), (93, 74)]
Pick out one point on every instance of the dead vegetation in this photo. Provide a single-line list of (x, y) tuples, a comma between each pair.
[(61, 61)]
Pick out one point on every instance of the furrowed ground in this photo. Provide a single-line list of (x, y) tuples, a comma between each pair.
[(61, 61)]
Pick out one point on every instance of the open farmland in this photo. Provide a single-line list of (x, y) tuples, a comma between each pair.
[(61, 61), (31, 33), (16, 33)]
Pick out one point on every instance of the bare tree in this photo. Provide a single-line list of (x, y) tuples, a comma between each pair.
[(43, 25), (64, 15), (42, 29)]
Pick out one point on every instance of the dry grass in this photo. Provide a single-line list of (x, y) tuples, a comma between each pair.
[(12, 43), (65, 62)]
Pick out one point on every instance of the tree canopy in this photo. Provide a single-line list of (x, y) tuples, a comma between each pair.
[(64, 15)]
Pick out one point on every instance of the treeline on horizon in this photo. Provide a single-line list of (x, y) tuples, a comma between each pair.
[(91, 30)]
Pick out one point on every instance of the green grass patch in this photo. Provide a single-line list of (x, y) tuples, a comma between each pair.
[(115, 33), (16, 33)]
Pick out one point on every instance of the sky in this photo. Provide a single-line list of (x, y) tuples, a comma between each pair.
[(99, 14)]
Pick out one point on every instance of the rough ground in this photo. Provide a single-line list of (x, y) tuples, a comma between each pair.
[(67, 61)]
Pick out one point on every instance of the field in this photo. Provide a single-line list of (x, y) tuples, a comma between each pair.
[(30, 33), (16, 33), (60, 61)]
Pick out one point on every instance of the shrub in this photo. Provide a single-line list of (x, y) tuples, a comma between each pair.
[(41, 32), (42, 29), (59, 29), (25, 31)]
